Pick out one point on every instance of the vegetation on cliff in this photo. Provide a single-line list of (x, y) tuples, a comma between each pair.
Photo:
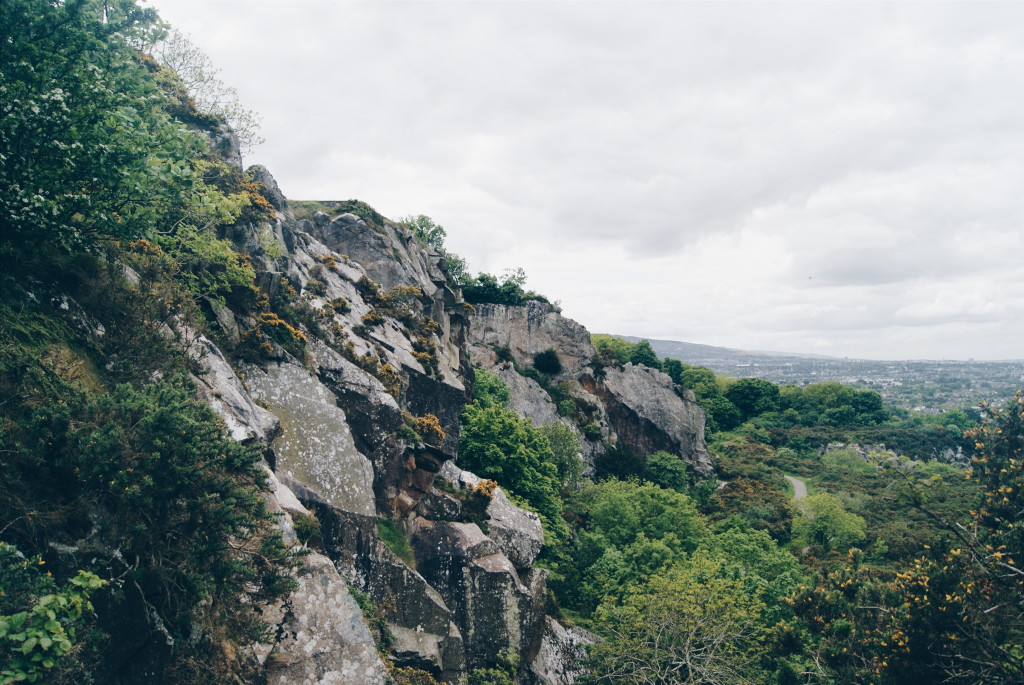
[(110, 208)]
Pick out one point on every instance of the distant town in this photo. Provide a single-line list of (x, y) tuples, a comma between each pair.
[(928, 386)]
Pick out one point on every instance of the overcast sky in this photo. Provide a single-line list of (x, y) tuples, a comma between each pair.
[(842, 179)]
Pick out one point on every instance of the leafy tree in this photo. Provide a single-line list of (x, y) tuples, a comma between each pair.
[(489, 390), (486, 288), (87, 151), (674, 368), (825, 522), (968, 601), (565, 447), (617, 511), (643, 353), (612, 349), (667, 470), (426, 231), (758, 506), (188, 66), (695, 624), (753, 396), (497, 443), (722, 415)]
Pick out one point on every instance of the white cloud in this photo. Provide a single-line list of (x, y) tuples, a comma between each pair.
[(835, 178)]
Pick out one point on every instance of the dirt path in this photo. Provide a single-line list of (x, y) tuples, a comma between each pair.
[(799, 487)]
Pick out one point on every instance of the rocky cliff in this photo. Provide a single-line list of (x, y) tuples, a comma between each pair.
[(358, 407), (634, 405)]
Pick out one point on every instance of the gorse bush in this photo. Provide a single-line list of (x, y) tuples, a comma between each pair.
[(151, 471)]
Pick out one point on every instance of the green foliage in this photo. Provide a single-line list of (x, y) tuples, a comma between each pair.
[(397, 542), (666, 470), (823, 521), (627, 532), (307, 528), (206, 96), (38, 619), (693, 624), (618, 461), (147, 471), (486, 288), (209, 267), (489, 390), (496, 443), (754, 502), (88, 154), (643, 353), (426, 231), (611, 350), (846, 459), (504, 672), (753, 396), (565, 447), (617, 511), (547, 362)]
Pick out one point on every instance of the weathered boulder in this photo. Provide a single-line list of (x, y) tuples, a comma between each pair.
[(388, 251), (517, 532), (498, 608), (261, 175), (322, 638), (315, 447), (219, 387), (647, 413), (559, 659), (526, 397), (425, 634)]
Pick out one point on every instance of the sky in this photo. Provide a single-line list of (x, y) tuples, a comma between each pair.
[(831, 178)]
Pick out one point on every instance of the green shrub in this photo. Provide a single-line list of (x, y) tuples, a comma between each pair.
[(307, 528), (547, 362), (149, 471), (591, 431)]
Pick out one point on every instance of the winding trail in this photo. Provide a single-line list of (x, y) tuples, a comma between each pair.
[(799, 487)]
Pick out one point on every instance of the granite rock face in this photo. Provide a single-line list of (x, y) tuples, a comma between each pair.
[(648, 413), (560, 655), (635, 406), (322, 638), (528, 330), (361, 426)]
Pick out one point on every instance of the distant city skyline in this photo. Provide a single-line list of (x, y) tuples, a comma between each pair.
[(826, 178)]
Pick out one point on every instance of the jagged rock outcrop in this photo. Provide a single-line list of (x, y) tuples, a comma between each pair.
[(634, 406), (649, 414), (558, 661), (340, 414), (359, 409), (528, 330)]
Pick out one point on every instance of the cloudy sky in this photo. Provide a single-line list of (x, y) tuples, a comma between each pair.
[(842, 179)]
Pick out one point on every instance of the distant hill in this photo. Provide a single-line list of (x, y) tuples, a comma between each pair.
[(695, 352), (911, 383)]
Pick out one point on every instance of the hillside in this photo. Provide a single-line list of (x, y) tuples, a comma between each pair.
[(260, 441)]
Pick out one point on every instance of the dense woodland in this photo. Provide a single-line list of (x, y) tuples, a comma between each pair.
[(901, 566)]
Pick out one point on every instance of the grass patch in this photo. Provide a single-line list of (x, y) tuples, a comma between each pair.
[(396, 541)]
